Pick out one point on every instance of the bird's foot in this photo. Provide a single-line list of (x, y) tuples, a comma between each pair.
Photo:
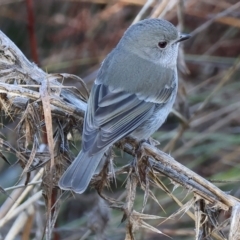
[(153, 142)]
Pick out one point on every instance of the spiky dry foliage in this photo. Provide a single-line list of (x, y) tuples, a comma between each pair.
[(47, 116)]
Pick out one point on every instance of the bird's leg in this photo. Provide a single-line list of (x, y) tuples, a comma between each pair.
[(150, 141)]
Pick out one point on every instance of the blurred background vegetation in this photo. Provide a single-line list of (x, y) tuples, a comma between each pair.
[(74, 36)]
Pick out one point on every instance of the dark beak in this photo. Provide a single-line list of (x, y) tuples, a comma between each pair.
[(183, 37)]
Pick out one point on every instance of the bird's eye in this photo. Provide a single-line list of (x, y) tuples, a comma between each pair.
[(162, 44)]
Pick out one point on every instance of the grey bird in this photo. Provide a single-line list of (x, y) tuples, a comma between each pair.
[(132, 95)]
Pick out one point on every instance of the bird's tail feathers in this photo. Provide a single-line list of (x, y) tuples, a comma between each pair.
[(78, 175)]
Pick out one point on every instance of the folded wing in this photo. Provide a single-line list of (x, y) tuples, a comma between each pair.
[(114, 114)]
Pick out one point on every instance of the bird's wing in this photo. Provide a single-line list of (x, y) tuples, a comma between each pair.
[(113, 114)]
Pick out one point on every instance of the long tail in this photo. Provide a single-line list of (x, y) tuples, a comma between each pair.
[(79, 173)]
